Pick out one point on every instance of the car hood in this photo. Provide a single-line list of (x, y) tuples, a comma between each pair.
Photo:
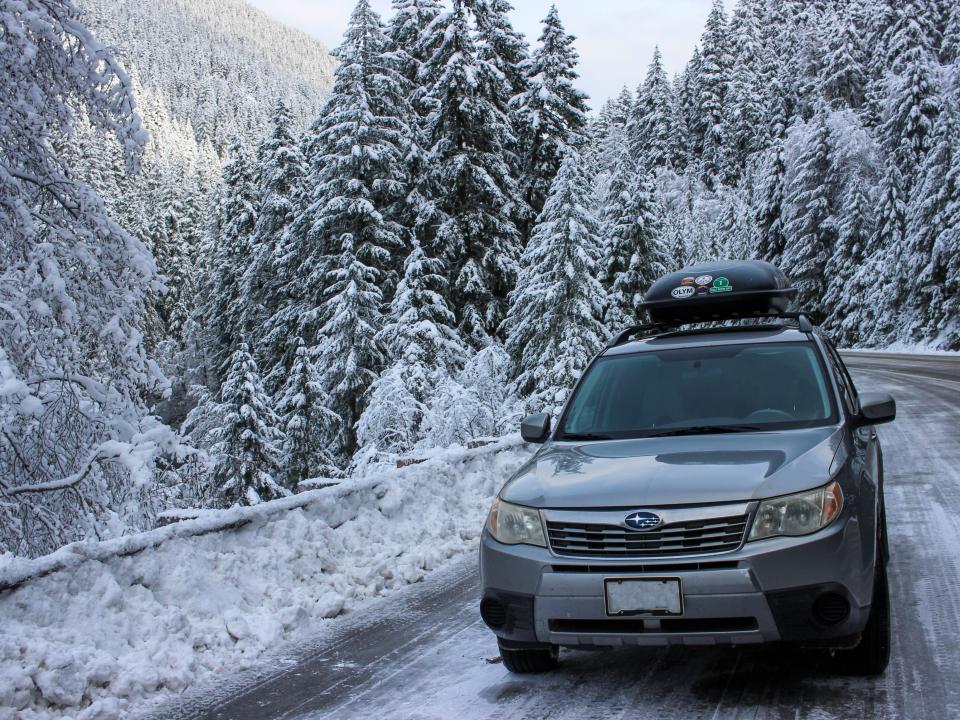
[(656, 472)]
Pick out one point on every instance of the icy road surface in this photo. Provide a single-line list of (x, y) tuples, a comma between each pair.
[(423, 653)]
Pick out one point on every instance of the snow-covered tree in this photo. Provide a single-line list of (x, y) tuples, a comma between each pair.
[(280, 169), (634, 253), (307, 422), (713, 88), (553, 326), (423, 345), (551, 115), (229, 256), (468, 218), (811, 222), (653, 130), (77, 448), (349, 352), (746, 121), (355, 183), (249, 446)]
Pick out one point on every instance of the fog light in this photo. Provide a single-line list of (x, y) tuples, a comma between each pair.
[(831, 608), (493, 613)]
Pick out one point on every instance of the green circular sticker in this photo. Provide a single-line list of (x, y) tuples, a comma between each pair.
[(721, 285)]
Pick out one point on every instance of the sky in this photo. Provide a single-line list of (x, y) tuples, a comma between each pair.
[(615, 38)]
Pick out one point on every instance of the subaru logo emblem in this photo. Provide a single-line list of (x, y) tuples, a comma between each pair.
[(643, 521)]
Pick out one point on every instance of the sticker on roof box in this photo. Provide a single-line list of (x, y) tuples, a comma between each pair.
[(683, 291), (704, 279), (721, 285), (687, 281)]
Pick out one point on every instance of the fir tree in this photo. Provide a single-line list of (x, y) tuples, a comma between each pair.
[(468, 218), (552, 327), (932, 236), (250, 443), (769, 214), (855, 228), (842, 73), (746, 121), (810, 229), (355, 183), (230, 255), (552, 114), (713, 85), (877, 281), (350, 355), (280, 174), (307, 422), (914, 106), (634, 254), (654, 135), (422, 343)]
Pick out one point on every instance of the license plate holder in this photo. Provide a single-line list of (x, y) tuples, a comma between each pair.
[(656, 597)]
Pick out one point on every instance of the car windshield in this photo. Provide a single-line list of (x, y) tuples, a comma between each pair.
[(724, 388)]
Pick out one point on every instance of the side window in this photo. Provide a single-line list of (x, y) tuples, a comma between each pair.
[(847, 389)]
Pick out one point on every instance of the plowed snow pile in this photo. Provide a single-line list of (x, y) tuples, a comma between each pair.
[(94, 640)]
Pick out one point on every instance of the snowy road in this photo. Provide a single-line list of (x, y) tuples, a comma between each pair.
[(423, 653)]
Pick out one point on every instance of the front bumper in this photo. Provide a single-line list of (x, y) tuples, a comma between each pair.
[(764, 591)]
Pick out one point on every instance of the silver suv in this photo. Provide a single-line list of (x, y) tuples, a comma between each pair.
[(707, 486)]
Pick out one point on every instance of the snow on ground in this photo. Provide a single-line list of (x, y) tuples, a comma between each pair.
[(105, 633), (906, 348)]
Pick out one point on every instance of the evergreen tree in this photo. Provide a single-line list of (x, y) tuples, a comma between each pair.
[(634, 254), (350, 355), (229, 256), (810, 230), (877, 281), (769, 214), (913, 109), (249, 447), (422, 343), (746, 122), (551, 114), (505, 48), (355, 183), (932, 237), (713, 85), (552, 327), (280, 173), (856, 226), (468, 220), (842, 73), (307, 422), (654, 135)]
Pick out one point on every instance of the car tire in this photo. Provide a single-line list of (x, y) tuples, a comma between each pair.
[(872, 655), (529, 660)]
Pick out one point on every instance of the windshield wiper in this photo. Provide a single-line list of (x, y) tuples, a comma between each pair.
[(584, 436), (706, 430)]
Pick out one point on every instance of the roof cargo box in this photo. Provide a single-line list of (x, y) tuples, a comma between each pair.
[(722, 290)]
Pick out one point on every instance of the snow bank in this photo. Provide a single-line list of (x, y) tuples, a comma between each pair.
[(114, 623)]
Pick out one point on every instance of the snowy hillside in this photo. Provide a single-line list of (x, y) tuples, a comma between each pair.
[(217, 64)]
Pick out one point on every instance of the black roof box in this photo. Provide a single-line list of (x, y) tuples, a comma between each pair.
[(721, 290)]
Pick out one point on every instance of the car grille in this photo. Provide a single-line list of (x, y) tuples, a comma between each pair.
[(680, 538)]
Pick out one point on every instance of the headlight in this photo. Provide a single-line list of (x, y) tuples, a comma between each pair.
[(799, 514), (514, 524)]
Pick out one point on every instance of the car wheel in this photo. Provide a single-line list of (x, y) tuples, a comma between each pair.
[(529, 660), (872, 655)]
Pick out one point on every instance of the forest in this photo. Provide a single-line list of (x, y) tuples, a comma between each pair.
[(440, 247)]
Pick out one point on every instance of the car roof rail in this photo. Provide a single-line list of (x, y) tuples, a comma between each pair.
[(652, 329)]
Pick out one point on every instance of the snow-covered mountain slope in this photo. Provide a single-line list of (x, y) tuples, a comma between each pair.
[(218, 64)]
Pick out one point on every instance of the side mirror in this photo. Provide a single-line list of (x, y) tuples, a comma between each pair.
[(876, 408), (535, 428)]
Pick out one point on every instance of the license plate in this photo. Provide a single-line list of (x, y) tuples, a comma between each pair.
[(649, 596)]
